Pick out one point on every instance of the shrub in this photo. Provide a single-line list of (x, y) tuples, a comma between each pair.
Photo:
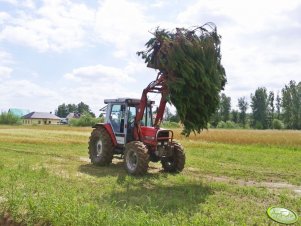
[(227, 125), (8, 118), (85, 120), (170, 125), (258, 125), (221, 125), (277, 124), (231, 125)]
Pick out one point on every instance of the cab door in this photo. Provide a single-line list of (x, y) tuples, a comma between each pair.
[(117, 118)]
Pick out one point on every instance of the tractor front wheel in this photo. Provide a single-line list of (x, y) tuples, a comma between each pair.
[(100, 147), (136, 158), (176, 162)]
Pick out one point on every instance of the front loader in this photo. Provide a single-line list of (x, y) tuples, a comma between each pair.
[(131, 131)]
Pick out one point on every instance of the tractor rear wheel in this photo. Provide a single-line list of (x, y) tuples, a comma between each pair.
[(136, 158), (100, 147), (176, 162)]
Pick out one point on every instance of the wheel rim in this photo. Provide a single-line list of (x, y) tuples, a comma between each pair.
[(131, 160), (98, 148)]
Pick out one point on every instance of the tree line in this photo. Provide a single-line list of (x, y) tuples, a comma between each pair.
[(81, 108), (268, 110)]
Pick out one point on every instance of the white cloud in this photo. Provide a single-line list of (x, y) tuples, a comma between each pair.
[(4, 17), (13, 2), (123, 24), (23, 89), (98, 73), (93, 84), (5, 58), (5, 62), (158, 3), (55, 26), (26, 94), (5, 72)]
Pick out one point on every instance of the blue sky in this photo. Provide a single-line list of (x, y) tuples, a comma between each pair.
[(59, 51)]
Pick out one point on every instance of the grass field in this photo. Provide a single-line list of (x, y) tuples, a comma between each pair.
[(231, 178)]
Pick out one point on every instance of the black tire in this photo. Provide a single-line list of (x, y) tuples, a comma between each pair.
[(136, 158), (100, 147), (176, 162)]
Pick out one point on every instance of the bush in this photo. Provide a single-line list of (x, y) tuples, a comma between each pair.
[(85, 120), (258, 125), (8, 118), (221, 125), (170, 125), (227, 125), (277, 124)]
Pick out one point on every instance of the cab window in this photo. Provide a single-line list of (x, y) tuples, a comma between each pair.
[(147, 117), (117, 117)]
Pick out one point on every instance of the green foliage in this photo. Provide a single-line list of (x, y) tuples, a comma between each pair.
[(277, 124), (222, 112), (278, 106), (85, 120), (221, 124), (258, 125), (190, 62), (291, 105), (270, 109), (259, 105), (225, 107), (243, 106), (235, 116), (227, 125), (170, 125), (63, 110), (7, 118)]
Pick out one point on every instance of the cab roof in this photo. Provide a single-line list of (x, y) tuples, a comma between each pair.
[(126, 100)]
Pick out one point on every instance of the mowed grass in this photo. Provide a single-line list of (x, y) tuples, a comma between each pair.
[(231, 177)]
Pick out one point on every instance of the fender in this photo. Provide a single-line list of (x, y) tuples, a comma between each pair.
[(109, 129)]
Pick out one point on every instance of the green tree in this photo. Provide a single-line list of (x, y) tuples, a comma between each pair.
[(167, 114), (271, 109), (175, 117), (7, 118), (259, 105), (243, 107), (72, 108), (82, 108), (235, 116), (62, 111), (278, 106), (216, 117), (225, 107), (291, 105)]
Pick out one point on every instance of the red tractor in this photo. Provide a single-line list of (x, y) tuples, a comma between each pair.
[(130, 131)]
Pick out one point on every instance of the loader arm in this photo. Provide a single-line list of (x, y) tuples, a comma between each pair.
[(157, 86)]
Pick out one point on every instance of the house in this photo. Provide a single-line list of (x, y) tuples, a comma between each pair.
[(72, 115), (40, 118), (18, 112)]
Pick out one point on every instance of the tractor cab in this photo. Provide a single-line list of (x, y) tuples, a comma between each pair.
[(121, 113)]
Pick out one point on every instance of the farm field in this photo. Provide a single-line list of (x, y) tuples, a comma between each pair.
[(231, 177)]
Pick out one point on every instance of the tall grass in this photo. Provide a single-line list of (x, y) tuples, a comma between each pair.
[(7, 118), (46, 179), (284, 138)]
